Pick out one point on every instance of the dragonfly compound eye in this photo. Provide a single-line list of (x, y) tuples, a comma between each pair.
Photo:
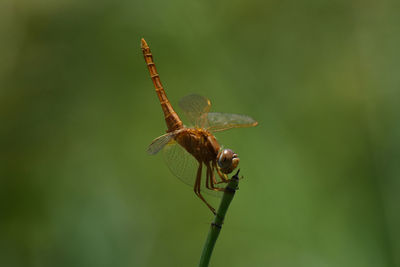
[(227, 160)]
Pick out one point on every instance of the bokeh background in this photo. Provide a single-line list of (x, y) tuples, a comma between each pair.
[(78, 110)]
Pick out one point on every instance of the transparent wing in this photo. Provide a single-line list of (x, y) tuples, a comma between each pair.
[(223, 121), (196, 108), (159, 143), (184, 166)]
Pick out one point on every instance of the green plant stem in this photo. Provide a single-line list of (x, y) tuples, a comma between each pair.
[(216, 225)]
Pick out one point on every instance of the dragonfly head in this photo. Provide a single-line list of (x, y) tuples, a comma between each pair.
[(227, 160)]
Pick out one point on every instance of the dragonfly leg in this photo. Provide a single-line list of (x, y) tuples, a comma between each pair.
[(210, 179), (197, 187), (223, 176)]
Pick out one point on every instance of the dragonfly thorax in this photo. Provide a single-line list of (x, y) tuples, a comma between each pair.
[(200, 143)]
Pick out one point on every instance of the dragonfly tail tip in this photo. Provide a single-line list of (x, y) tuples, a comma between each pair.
[(144, 44)]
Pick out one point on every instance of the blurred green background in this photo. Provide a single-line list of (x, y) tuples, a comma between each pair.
[(78, 110)]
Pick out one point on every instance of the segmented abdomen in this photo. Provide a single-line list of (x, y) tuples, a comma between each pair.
[(171, 118)]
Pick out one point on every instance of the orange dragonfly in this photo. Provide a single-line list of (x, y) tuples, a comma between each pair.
[(187, 149)]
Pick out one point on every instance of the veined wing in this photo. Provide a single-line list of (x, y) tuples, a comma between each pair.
[(223, 121), (184, 166), (159, 143), (196, 108)]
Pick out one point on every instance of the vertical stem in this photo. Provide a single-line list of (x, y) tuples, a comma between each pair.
[(216, 225)]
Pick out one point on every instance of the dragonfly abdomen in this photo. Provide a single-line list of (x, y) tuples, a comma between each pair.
[(171, 118)]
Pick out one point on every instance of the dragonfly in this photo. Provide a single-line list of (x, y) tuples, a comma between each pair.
[(187, 149)]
